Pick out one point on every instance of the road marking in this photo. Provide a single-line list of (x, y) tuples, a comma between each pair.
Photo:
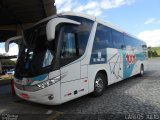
[(55, 115)]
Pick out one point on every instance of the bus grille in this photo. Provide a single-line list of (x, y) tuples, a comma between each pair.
[(31, 88)]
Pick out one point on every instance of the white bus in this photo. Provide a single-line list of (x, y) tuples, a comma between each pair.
[(69, 55)]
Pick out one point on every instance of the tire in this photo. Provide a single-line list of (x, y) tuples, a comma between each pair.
[(141, 71), (99, 85)]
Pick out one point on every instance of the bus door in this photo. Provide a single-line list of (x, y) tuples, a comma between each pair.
[(71, 82)]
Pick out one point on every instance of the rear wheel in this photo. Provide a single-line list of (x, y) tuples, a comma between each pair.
[(141, 71), (99, 84)]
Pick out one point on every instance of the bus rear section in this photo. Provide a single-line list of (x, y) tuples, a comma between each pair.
[(115, 56)]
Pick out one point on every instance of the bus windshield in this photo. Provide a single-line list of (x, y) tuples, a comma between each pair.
[(36, 53), (38, 56)]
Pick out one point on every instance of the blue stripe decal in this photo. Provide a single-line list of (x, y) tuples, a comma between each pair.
[(127, 65)]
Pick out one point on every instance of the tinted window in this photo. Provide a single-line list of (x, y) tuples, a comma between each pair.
[(68, 46), (74, 39), (117, 39), (102, 38), (133, 42), (82, 31), (128, 41), (35, 55)]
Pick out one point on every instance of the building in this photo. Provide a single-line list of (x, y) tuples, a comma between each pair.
[(17, 15)]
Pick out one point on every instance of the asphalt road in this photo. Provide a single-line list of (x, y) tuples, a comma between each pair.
[(133, 98)]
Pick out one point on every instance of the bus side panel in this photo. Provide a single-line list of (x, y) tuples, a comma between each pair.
[(92, 71), (113, 67), (132, 65), (137, 67), (72, 86), (115, 62), (145, 65), (73, 89)]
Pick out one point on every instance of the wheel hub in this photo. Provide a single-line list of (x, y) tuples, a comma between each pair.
[(99, 84)]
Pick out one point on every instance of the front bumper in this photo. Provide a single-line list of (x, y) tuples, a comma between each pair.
[(42, 96)]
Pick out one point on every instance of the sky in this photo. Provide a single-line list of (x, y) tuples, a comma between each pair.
[(140, 18)]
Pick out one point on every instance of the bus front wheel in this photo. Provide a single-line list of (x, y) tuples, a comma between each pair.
[(99, 85)]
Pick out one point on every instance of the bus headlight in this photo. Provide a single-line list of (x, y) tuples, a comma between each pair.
[(48, 82)]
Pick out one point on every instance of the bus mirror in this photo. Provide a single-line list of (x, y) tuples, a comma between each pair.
[(51, 26), (11, 40)]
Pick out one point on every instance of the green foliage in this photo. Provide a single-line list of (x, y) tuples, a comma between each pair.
[(154, 52), (7, 62)]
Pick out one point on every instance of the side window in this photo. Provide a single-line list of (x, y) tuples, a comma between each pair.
[(117, 38), (74, 39), (82, 31), (68, 46), (102, 38), (128, 41), (132, 42)]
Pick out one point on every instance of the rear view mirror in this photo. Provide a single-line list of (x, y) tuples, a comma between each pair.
[(51, 26), (11, 40)]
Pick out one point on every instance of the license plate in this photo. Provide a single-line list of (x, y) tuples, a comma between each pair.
[(25, 96)]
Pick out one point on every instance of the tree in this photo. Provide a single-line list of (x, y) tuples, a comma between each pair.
[(6, 63)]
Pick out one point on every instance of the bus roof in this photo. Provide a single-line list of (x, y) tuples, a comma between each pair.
[(88, 17)]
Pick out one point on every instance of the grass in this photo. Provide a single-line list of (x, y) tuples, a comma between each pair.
[(157, 49)]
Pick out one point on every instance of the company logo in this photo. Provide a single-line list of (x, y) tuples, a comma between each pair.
[(130, 58), (99, 59)]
